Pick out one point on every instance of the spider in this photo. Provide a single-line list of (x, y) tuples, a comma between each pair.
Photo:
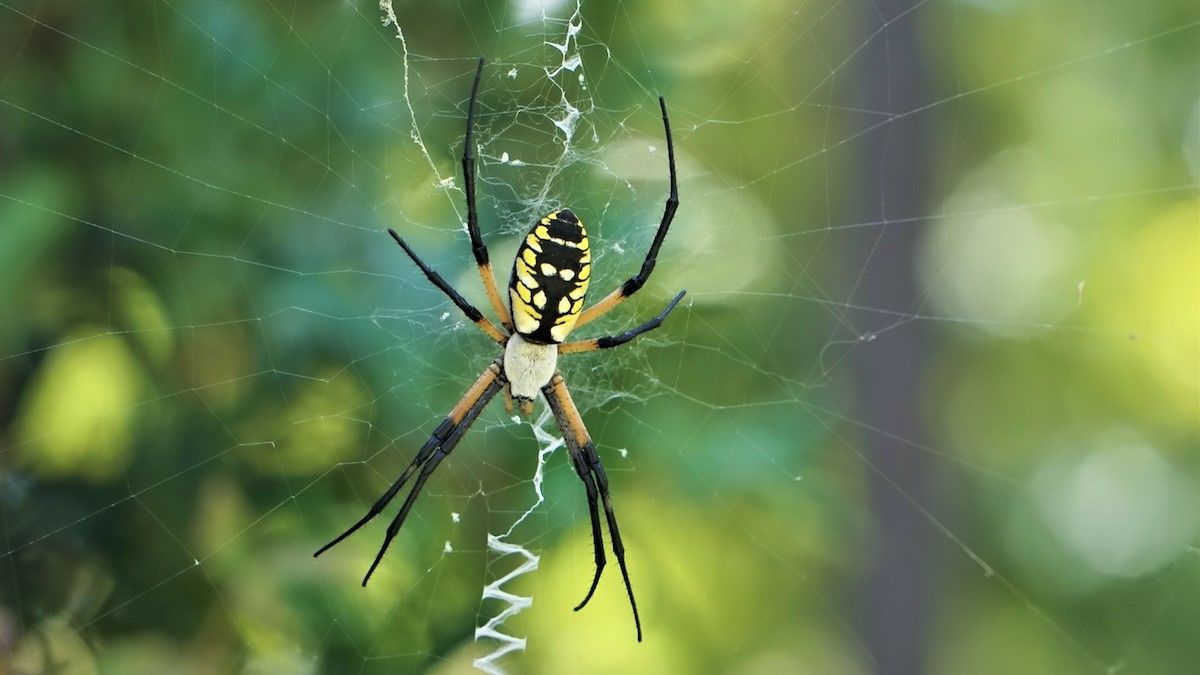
[(546, 291)]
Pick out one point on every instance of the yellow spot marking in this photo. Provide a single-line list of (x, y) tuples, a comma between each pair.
[(578, 292), (564, 305), (560, 331), (586, 257), (523, 292), (585, 272), (540, 299), (567, 274), (548, 269), (526, 319), (583, 245), (524, 275), (577, 306), (533, 243), (526, 308), (541, 231), (529, 256), (526, 324)]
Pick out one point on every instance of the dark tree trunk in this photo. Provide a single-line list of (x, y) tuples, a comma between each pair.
[(895, 177)]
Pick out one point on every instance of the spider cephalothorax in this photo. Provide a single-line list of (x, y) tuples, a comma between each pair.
[(546, 295)]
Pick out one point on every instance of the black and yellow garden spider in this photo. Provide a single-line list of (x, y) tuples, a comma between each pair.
[(546, 292)]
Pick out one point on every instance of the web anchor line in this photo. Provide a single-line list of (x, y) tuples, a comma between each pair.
[(499, 544)]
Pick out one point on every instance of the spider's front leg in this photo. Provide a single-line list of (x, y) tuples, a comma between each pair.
[(477, 247), (635, 283)]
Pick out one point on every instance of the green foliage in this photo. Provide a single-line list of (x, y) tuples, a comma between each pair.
[(212, 359)]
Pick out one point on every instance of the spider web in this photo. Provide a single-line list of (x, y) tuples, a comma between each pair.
[(215, 360)]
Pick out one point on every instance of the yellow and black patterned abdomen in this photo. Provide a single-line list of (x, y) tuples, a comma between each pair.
[(550, 278)]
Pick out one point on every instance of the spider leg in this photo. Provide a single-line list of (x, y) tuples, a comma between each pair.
[(613, 531), (635, 283), (609, 341), (477, 247), (434, 442), (467, 308), (583, 454), (585, 474), (427, 470), (440, 444)]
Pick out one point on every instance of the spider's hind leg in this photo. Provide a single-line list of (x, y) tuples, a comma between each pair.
[(587, 465), (439, 445)]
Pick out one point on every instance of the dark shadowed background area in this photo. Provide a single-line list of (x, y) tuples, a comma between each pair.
[(931, 404)]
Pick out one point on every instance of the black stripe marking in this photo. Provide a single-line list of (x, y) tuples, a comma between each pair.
[(566, 226)]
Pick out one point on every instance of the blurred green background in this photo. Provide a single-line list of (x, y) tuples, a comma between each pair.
[(932, 403)]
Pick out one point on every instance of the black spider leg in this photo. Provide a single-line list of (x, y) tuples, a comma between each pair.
[(468, 167), (467, 308), (439, 445), (609, 341), (632, 285), (635, 283), (618, 546), (585, 474), (591, 471), (478, 249), (441, 453)]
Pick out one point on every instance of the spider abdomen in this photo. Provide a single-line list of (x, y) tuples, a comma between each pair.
[(550, 278)]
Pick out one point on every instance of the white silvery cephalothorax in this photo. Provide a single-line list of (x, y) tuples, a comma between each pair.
[(528, 366)]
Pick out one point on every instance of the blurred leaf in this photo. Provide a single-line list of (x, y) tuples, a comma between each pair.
[(31, 229), (53, 646), (1148, 287), (79, 415), (142, 314), (319, 427)]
